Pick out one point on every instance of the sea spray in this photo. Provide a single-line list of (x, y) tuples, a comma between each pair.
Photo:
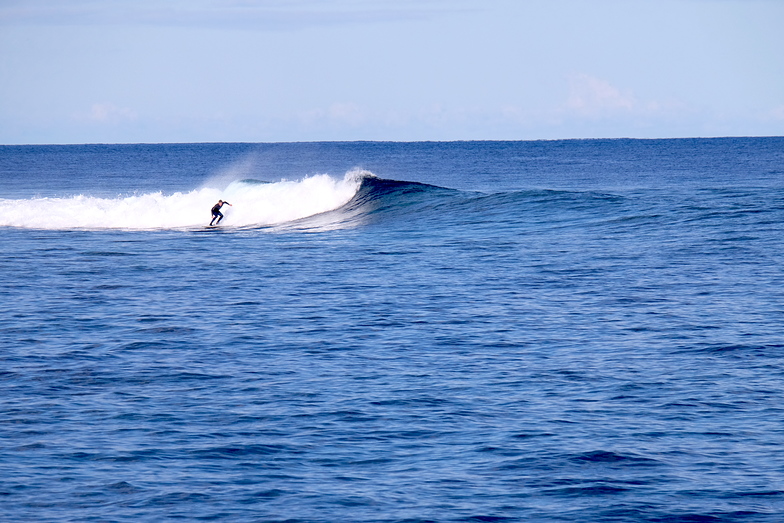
[(285, 201)]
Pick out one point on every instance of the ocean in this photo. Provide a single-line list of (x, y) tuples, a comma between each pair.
[(543, 331)]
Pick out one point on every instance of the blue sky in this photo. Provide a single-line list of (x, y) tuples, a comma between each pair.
[(117, 71)]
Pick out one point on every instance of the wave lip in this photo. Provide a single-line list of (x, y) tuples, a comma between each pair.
[(254, 204)]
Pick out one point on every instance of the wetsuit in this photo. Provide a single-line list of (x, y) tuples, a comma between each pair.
[(216, 212)]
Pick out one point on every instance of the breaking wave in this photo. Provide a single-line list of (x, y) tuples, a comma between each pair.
[(255, 203)]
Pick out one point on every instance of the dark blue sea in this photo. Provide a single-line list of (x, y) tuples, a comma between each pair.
[(548, 331)]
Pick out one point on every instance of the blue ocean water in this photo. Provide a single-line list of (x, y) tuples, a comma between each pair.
[(582, 331)]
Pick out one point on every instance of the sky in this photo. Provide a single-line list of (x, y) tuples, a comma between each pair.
[(158, 71)]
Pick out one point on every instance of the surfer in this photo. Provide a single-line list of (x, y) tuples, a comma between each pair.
[(216, 211)]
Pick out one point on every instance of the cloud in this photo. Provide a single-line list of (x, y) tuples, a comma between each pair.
[(343, 114), (348, 113), (108, 113), (776, 114), (595, 98)]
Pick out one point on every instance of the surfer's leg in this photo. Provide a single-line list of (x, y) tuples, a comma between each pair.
[(220, 217)]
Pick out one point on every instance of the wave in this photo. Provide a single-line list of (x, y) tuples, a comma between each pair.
[(318, 202), (255, 203)]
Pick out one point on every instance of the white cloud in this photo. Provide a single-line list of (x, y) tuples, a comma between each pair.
[(342, 114), (108, 113), (777, 113), (595, 98), (346, 113)]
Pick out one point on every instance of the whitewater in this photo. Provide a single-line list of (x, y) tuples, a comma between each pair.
[(255, 203)]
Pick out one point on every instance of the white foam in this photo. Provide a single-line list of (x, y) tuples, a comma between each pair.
[(253, 204)]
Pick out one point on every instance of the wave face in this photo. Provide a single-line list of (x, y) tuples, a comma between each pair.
[(378, 198), (254, 204)]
